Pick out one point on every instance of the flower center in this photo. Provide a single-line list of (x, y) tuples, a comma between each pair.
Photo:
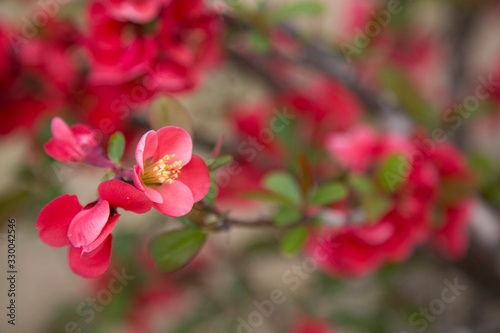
[(161, 171)]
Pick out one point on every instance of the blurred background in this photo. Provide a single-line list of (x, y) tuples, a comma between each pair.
[(398, 66)]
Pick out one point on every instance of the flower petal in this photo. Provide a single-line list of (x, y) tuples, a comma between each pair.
[(151, 193), (123, 195), (196, 176), (177, 199), (88, 224), (61, 131), (55, 218), (106, 231), (146, 148), (93, 264), (62, 151), (174, 140)]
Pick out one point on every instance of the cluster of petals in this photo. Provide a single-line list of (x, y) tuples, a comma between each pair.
[(167, 43), (87, 230)]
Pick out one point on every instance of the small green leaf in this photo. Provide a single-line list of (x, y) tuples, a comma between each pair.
[(376, 207), (286, 216), (283, 184), (212, 191), (167, 111), (266, 196), (329, 193), (362, 185), (393, 173), (259, 41), (116, 147), (109, 175), (294, 240), (174, 249), (218, 162), (296, 9)]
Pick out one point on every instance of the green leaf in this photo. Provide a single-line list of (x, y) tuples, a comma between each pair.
[(376, 207), (167, 111), (393, 173), (294, 240), (109, 175), (283, 184), (329, 193), (362, 185), (296, 9), (116, 147), (266, 196), (218, 162), (259, 41), (212, 191), (174, 249), (286, 216)]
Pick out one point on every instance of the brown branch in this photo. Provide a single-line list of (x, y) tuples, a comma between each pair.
[(227, 222)]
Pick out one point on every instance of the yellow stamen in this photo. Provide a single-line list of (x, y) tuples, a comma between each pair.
[(161, 172)]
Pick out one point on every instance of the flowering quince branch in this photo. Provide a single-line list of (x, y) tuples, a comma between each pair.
[(167, 177)]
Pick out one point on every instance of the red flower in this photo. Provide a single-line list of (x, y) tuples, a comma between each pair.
[(167, 172), (116, 59), (87, 230), (327, 104), (354, 250), (53, 56), (70, 144), (358, 247), (123, 47)]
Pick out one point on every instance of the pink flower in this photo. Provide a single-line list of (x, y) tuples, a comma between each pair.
[(70, 144), (355, 149), (167, 172), (87, 230)]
